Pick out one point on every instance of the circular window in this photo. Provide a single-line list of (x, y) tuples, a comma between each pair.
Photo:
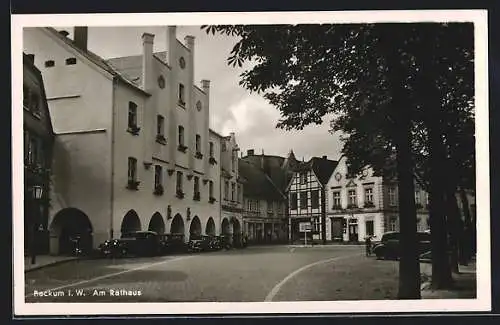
[(161, 82), (338, 176), (198, 106), (182, 63)]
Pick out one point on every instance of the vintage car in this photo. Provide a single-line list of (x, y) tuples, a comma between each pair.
[(389, 247), (199, 244), (141, 243), (172, 243)]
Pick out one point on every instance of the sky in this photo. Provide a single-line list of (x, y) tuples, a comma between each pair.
[(232, 107)]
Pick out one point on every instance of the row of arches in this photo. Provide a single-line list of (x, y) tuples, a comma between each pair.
[(71, 222), (131, 222)]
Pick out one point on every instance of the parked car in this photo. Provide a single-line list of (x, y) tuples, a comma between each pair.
[(389, 247), (112, 248), (199, 244), (141, 243), (172, 243)]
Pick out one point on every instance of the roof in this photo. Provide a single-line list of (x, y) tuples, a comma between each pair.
[(322, 167), (96, 59), (257, 183), (131, 66), (27, 62)]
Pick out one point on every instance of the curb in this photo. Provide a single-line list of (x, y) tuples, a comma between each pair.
[(52, 264)]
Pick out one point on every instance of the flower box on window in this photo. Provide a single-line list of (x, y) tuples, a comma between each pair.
[(369, 205), (196, 196), (133, 184), (134, 129), (198, 155), (211, 199), (182, 148), (160, 138), (179, 194), (182, 103), (158, 190), (212, 161), (352, 206), (336, 207)]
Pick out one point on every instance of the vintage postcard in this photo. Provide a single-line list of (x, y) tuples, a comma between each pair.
[(228, 163)]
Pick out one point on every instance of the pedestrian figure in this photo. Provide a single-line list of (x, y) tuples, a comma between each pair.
[(368, 245)]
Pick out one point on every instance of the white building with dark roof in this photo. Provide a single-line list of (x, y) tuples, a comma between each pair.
[(133, 146)]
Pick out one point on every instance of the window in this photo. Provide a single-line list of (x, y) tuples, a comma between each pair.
[(303, 200), (369, 195), (316, 225), (226, 190), (211, 189), (369, 228), (49, 63), (196, 188), (198, 143), (315, 199), (293, 201), (132, 115), (224, 145), (233, 190), (392, 196), (178, 185), (181, 135), (160, 125), (211, 149), (352, 198), (336, 200), (31, 100), (32, 150), (132, 169), (235, 161), (269, 206), (158, 176), (393, 224), (417, 198), (240, 194), (70, 61), (303, 178), (181, 95), (253, 205)]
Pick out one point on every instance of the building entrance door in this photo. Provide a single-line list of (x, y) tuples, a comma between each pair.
[(337, 229), (353, 233)]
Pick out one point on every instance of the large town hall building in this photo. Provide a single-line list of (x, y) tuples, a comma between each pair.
[(133, 148)]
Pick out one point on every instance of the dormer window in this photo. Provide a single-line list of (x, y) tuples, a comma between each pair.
[(49, 63), (70, 61)]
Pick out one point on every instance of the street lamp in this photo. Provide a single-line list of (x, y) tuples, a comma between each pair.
[(37, 192)]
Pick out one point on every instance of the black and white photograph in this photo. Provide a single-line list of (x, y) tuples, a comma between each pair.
[(250, 163)]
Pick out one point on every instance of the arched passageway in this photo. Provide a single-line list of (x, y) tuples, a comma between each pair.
[(237, 235), (195, 228), (157, 224), (130, 222), (68, 226), (177, 226), (210, 227)]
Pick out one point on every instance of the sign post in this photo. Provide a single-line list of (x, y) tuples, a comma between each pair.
[(305, 227)]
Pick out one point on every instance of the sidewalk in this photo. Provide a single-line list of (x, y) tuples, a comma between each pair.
[(464, 287), (44, 261)]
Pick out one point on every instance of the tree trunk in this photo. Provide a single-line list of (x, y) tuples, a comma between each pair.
[(468, 234), (441, 272), (454, 226)]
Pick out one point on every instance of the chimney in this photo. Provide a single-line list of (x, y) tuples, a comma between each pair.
[(80, 37), (147, 60), (171, 45), (250, 152), (324, 157), (64, 33), (205, 85)]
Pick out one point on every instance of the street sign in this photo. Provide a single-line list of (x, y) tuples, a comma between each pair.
[(304, 226)]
